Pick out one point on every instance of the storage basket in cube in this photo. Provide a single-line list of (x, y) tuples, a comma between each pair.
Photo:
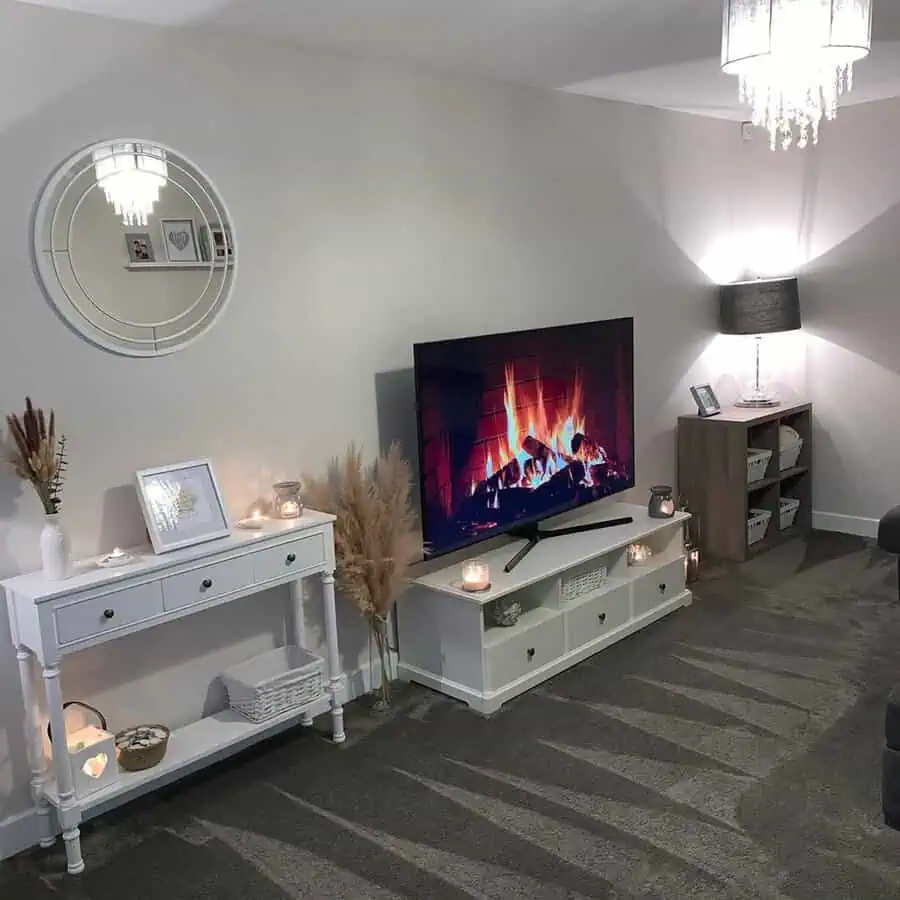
[(757, 524), (789, 446), (580, 584), (757, 463), (275, 682), (787, 508)]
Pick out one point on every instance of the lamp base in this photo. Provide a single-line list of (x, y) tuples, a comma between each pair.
[(758, 403)]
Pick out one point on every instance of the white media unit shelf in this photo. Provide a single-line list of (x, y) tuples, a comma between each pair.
[(449, 642), (51, 619)]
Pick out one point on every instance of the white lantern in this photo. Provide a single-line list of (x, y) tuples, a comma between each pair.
[(92, 754)]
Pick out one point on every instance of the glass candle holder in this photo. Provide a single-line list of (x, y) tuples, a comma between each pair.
[(288, 504), (476, 575), (661, 504), (691, 564), (638, 554)]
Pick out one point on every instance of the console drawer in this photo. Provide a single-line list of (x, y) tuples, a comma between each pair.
[(658, 587), (524, 652), (97, 615), (207, 582), (291, 556), (596, 617)]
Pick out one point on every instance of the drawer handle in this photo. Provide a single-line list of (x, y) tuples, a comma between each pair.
[(290, 559), (207, 584), (662, 588), (602, 618), (530, 653), (108, 613)]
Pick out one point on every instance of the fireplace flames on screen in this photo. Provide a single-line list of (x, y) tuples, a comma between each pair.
[(538, 448)]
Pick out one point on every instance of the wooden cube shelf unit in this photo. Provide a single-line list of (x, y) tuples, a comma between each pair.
[(712, 477)]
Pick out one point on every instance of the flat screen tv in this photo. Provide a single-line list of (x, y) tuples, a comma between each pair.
[(516, 427)]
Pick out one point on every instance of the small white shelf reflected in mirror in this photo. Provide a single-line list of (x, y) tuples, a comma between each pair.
[(140, 266)]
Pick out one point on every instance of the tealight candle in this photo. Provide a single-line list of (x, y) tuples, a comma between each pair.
[(254, 521), (476, 575), (287, 500), (638, 554)]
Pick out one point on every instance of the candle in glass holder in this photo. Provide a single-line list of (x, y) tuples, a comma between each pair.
[(287, 500), (476, 575), (638, 554), (691, 564)]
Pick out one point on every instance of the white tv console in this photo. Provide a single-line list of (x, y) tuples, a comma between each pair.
[(448, 641), (50, 619)]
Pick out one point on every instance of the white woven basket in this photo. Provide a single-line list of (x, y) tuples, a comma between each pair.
[(275, 682), (579, 584), (789, 454), (757, 524), (787, 508), (757, 463)]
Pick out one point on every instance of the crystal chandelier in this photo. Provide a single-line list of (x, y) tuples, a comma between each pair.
[(131, 175), (794, 59)]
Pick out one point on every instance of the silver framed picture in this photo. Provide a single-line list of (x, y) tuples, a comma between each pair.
[(182, 505), (179, 240)]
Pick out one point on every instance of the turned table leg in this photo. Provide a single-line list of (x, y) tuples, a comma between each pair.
[(298, 629), (47, 828), (69, 811), (334, 660)]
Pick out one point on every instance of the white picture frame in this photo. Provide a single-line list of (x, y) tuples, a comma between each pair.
[(182, 505), (179, 239)]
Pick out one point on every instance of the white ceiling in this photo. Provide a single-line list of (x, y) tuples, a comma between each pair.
[(655, 52)]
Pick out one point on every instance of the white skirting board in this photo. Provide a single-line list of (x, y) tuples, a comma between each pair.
[(20, 832), (858, 525)]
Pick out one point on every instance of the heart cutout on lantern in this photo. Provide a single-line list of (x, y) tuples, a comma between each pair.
[(95, 766), (179, 239)]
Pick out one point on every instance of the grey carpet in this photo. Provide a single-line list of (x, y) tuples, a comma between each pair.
[(730, 751)]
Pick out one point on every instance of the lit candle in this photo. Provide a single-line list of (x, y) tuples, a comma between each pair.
[(692, 564), (667, 507), (476, 575), (117, 553), (290, 509), (638, 553), (254, 520), (95, 766)]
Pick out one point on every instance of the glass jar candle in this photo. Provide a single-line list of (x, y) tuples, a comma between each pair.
[(476, 575), (288, 504), (662, 503)]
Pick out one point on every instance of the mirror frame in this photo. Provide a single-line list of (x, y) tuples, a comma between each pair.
[(45, 269)]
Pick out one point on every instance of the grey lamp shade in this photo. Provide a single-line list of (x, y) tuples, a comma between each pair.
[(759, 307)]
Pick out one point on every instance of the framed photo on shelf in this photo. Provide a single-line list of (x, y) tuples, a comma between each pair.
[(216, 244), (182, 505), (139, 246), (179, 240), (706, 400)]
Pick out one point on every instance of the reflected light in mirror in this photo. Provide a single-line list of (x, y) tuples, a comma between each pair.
[(131, 175)]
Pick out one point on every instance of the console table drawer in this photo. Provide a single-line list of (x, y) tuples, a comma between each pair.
[(207, 582), (523, 653), (658, 587), (292, 556), (97, 615), (594, 618)]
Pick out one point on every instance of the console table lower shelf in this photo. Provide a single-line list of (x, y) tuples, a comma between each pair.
[(578, 595)]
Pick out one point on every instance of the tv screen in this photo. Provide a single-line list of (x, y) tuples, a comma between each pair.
[(517, 427)]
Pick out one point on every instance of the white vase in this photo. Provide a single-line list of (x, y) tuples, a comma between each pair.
[(55, 549)]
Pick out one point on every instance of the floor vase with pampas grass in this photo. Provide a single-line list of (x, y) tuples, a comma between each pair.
[(375, 536), (38, 456)]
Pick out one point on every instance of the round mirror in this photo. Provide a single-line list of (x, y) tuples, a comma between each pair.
[(134, 247)]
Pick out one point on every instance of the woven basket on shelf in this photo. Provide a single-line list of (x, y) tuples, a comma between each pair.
[(142, 747)]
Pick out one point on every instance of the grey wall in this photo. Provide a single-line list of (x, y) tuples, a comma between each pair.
[(375, 206), (838, 206)]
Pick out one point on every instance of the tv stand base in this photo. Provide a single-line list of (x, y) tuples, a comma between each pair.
[(577, 595), (533, 534)]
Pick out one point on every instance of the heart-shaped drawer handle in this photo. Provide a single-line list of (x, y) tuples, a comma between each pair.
[(530, 652), (602, 618), (662, 588), (108, 613), (290, 559), (207, 584)]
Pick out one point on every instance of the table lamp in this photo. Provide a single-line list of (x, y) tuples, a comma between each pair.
[(766, 306)]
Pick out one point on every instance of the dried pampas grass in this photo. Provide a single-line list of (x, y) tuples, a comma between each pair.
[(376, 535), (37, 455)]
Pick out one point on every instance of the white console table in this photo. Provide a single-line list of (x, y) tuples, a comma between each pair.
[(571, 608), (49, 619)]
